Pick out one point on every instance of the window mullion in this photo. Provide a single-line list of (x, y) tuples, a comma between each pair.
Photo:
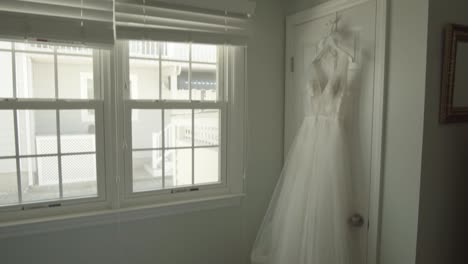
[(220, 74), (124, 122), (97, 82), (160, 70), (57, 114), (190, 72), (193, 113), (163, 140), (15, 120), (18, 165), (193, 146), (13, 67), (163, 125)]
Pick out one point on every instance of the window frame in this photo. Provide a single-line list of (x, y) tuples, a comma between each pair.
[(229, 183), (99, 103)]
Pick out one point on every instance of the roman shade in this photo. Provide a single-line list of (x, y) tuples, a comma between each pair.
[(88, 22), (204, 21)]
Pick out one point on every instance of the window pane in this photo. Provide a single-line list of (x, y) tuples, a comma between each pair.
[(206, 127), (6, 75), (79, 175), (204, 53), (147, 170), (206, 165), (177, 128), (143, 49), (144, 79), (77, 131), (75, 77), (175, 51), (37, 132), (5, 45), (178, 167), (146, 128), (175, 77), (8, 182), (7, 133), (39, 178), (204, 82), (35, 76)]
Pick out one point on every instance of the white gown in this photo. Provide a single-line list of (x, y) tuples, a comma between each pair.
[(306, 222)]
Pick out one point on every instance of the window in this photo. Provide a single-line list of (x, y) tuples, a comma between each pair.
[(48, 152), (101, 123), (178, 143), (159, 132)]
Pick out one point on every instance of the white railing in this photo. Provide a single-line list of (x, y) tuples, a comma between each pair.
[(147, 49), (170, 137), (60, 49), (205, 95), (204, 135), (144, 49), (204, 53)]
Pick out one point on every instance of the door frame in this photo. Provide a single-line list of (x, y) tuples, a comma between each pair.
[(325, 9)]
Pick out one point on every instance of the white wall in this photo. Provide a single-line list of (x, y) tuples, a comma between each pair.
[(207, 237), (442, 224), (265, 116), (403, 130)]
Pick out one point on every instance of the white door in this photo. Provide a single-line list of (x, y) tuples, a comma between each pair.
[(357, 27)]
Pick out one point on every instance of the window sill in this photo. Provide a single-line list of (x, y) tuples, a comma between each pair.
[(44, 225)]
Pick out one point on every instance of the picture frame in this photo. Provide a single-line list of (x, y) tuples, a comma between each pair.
[(454, 87)]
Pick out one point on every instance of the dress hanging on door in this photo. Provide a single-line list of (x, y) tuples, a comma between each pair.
[(306, 222)]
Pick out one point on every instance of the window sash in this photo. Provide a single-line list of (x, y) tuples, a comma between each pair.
[(15, 104), (127, 105), (220, 64), (99, 151), (164, 105)]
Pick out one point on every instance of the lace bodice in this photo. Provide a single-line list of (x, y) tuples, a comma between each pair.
[(327, 85)]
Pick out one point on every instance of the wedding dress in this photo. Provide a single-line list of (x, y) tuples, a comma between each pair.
[(306, 222)]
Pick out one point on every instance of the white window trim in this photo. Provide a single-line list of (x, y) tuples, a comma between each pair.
[(43, 209), (232, 177), (88, 212), (134, 92), (84, 78)]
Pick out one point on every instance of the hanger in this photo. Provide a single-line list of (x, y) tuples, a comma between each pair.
[(329, 41)]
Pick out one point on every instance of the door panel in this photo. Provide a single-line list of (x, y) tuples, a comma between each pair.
[(357, 27)]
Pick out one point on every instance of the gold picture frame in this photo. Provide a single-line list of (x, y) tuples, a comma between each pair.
[(454, 88)]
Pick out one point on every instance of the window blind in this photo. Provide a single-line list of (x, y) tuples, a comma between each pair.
[(88, 22), (204, 21)]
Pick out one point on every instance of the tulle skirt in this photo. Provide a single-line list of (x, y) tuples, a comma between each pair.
[(306, 222)]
